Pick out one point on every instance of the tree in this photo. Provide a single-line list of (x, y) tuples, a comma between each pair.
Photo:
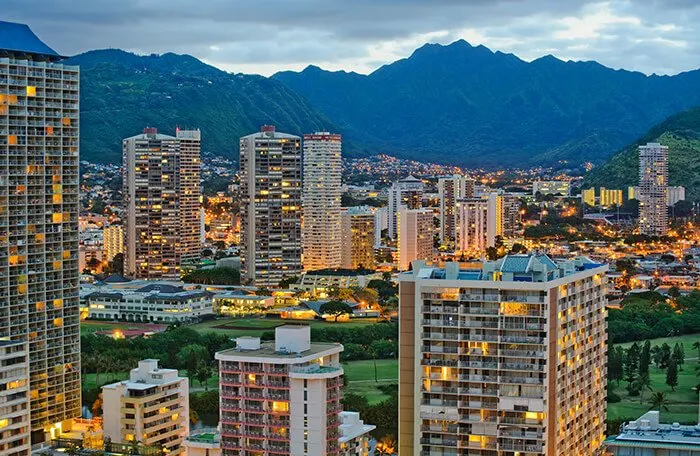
[(93, 263), (287, 281), (191, 355), (340, 294), (335, 309), (632, 363), (615, 364), (203, 373), (641, 383), (518, 248), (387, 445), (368, 296), (664, 356), (674, 292), (96, 408), (678, 355), (116, 266), (696, 345), (672, 375), (645, 359), (658, 401)]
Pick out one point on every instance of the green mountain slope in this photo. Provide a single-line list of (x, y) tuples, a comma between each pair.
[(470, 106), (121, 93), (681, 133)]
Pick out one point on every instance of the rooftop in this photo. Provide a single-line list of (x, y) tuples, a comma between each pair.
[(648, 432), (15, 37), (267, 351)]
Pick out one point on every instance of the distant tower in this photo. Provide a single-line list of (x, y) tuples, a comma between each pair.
[(270, 192), (451, 189), (406, 193), (415, 236), (321, 200), (653, 189), (358, 230), (161, 197)]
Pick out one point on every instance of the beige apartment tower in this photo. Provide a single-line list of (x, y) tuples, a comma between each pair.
[(505, 360), (451, 189), (113, 241), (281, 397), (151, 408), (653, 189), (415, 229), (161, 199), (14, 399), (39, 115), (358, 230), (321, 201), (270, 193)]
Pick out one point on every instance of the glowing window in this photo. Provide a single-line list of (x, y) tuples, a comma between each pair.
[(57, 199), (280, 406), (12, 140)]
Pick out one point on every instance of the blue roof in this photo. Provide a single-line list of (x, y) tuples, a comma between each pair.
[(20, 38), (515, 263)]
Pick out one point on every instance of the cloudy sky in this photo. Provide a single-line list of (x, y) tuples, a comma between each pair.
[(264, 36)]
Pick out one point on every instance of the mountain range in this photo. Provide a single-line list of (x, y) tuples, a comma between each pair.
[(456, 104), (681, 133)]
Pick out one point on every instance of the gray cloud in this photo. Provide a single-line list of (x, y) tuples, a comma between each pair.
[(268, 35)]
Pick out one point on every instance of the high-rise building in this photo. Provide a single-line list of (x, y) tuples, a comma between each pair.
[(113, 240), (406, 193), (474, 232), (39, 99), (14, 399), (161, 199), (270, 206), (588, 196), (354, 435), (675, 194), (609, 197), (415, 236), (357, 238), (280, 398), (450, 190), (505, 360), (653, 189), (321, 197), (152, 408), (509, 210)]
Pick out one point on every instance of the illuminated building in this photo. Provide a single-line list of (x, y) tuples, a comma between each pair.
[(653, 189), (39, 140), (675, 194), (609, 197), (357, 230), (588, 196), (481, 219), (281, 397), (404, 194), (161, 198), (321, 200), (504, 360), (152, 408), (113, 240), (270, 206), (415, 236), (354, 435), (451, 189), (14, 399), (551, 188)]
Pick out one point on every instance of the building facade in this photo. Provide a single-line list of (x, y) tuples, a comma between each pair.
[(14, 399), (450, 190), (406, 193), (653, 189), (610, 197), (161, 199), (551, 188), (152, 407), (358, 236), (280, 398), (39, 134), (415, 236), (113, 239), (505, 360), (270, 206), (355, 439), (675, 194), (321, 233)]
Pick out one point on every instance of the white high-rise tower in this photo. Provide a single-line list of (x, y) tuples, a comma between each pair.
[(653, 189)]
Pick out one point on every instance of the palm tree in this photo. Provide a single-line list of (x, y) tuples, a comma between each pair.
[(696, 345), (387, 445), (658, 401)]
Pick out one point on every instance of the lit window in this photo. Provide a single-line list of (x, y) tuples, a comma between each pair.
[(31, 91)]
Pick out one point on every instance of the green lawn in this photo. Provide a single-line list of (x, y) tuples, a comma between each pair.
[(89, 327), (683, 402), (360, 377), (687, 341)]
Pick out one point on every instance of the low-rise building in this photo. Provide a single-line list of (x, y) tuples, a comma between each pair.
[(203, 442), (232, 303), (151, 303), (551, 188), (152, 408), (319, 282), (14, 399), (281, 397), (648, 437), (354, 435)]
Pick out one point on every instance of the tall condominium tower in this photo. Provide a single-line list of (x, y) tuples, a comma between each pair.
[(476, 226), (415, 236), (451, 189), (358, 237), (161, 198), (404, 194), (270, 206), (39, 222), (280, 398), (653, 189), (321, 197), (505, 360)]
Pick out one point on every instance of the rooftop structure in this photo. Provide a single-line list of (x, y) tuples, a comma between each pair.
[(648, 437)]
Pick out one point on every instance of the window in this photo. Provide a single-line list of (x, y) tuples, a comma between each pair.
[(31, 91)]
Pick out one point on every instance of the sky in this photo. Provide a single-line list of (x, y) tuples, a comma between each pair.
[(266, 36)]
